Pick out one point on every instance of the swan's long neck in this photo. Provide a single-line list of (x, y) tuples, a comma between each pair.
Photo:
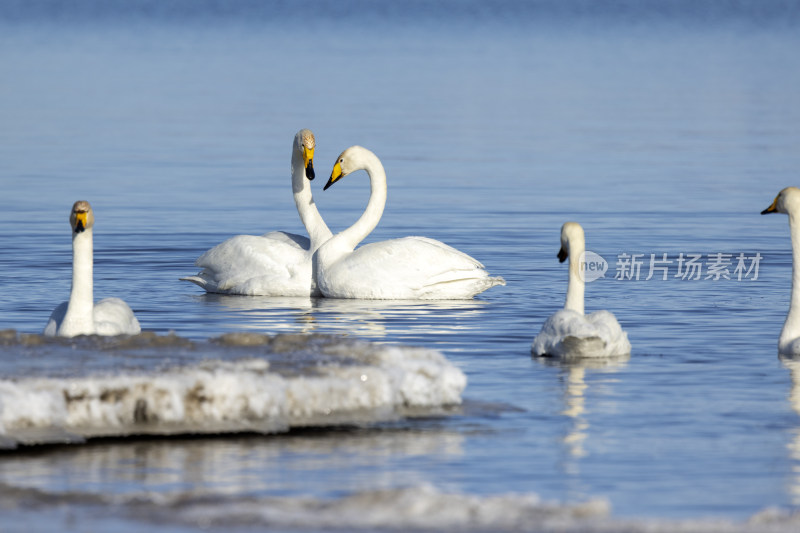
[(575, 285), (317, 230), (791, 328), (78, 318), (377, 201)]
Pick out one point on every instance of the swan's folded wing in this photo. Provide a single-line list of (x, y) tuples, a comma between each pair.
[(251, 264), (291, 239), (417, 267), (112, 316), (251, 251), (561, 324), (609, 329), (453, 254)]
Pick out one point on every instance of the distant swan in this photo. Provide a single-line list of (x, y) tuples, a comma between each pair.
[(788, 202), (410, 268), (277, 263), (569, 333), (80, 315)]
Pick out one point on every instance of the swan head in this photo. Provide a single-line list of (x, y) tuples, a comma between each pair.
[(305, 143), (352, 159), (82, 217), (570, 232), (787, 201)]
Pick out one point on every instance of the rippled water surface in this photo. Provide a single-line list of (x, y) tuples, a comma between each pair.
[(657, 135)]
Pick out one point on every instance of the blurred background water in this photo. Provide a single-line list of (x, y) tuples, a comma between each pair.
[(663, 127)]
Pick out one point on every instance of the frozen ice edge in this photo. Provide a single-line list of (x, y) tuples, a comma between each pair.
[(300, 381)]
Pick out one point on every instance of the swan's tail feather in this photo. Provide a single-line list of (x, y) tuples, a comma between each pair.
[(197, 280), (489, 282), (496, 280), (461, 288)]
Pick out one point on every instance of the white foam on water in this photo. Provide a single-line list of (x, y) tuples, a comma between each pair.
[(417, 508), (300, 381), (425, 508)]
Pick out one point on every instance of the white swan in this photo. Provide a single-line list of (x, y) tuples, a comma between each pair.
[(276, 263), (569, 333), (80, 315), (788, 202), (410, 268)]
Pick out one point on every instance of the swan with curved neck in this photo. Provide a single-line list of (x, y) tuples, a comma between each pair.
[(569, 333), (276, 263), (80, 315), (788, 202), (409, 268)]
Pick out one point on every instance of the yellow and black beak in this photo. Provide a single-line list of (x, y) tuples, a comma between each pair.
[(336, 174), (562, 255), (81, 221), (772, 208), (308, 161)]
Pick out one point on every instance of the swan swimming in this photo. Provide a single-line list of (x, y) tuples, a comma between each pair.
[(569, 333), (276, 263), (80, 315), (409, 268), (788, 202)]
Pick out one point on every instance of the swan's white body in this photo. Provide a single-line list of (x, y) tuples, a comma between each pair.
[(276, 263), (80, 315), (410, 268), (569, 333), (788, 202)]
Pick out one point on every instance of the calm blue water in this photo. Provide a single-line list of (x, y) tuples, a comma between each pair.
[(661, 130)]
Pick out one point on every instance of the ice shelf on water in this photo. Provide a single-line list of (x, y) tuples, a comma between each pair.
[(239, 382)]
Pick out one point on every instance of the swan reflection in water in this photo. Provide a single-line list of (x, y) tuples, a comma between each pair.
[(357, 459), (578, 375), (367, 318)]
